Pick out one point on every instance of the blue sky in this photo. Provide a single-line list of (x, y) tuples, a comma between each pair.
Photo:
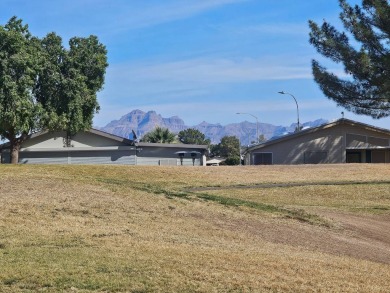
[(203, 60)]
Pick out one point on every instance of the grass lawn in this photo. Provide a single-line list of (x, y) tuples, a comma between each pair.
[(319, 228)]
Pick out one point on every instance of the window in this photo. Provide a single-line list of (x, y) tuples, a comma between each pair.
[(354, 157), (378, 156), (262, 158), (356, 140), (377, 141)]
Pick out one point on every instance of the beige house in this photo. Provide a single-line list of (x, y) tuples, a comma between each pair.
[(342, 141), (98, 147)]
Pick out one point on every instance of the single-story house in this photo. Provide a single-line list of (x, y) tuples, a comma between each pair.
[(98, 147), (341, 141)]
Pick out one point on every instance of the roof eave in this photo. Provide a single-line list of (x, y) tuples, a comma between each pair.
[(172, 145)]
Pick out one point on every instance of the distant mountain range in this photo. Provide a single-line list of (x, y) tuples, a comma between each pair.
[(142, 123)]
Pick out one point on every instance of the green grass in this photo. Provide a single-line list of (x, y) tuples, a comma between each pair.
[(370, 198), (295, 214)]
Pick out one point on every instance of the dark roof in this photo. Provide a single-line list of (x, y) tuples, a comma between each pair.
[(123, 140), (173, 145), (314, 129)]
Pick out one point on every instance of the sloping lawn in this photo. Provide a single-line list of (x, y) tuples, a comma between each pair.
[(154, 229)]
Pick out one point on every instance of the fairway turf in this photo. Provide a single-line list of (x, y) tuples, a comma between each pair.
[(161, 229)]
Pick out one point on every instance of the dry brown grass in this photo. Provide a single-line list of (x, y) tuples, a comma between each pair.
[(362, 198), (139, 229)]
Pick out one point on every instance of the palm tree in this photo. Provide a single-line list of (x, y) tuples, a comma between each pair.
[(159, 135)]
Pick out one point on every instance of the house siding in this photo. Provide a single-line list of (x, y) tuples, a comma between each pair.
[(293, 151), (74, 157), (158, 155), (328, 144), (96, 147), (102, 157)]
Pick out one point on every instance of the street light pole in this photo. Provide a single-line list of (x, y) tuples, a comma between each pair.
[(284, 93), (257, 125)]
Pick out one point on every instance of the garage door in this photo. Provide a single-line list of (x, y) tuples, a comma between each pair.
[(378, 156), (120, 157), (102, 157), (43, 157)]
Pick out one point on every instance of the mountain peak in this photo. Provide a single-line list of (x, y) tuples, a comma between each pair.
[(136, 112), (142, 123)]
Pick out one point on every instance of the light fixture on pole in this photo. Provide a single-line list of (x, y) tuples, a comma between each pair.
[(257, 125), (284, 93)]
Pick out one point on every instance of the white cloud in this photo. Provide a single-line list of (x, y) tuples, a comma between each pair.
[(106, 18), (193, 78), (206, 70), (292, 29), (151, 13)]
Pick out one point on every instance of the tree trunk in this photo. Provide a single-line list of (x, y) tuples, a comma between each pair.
[(15, 147)]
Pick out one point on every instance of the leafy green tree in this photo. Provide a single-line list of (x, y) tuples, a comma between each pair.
[(192, 136), (159, 135), (228, 148), (262, 138), (46, 86), (366, 59), (20, 62), (69, 81)]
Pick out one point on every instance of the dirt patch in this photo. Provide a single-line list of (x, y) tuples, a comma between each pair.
[(366, 236), (362, 237)]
